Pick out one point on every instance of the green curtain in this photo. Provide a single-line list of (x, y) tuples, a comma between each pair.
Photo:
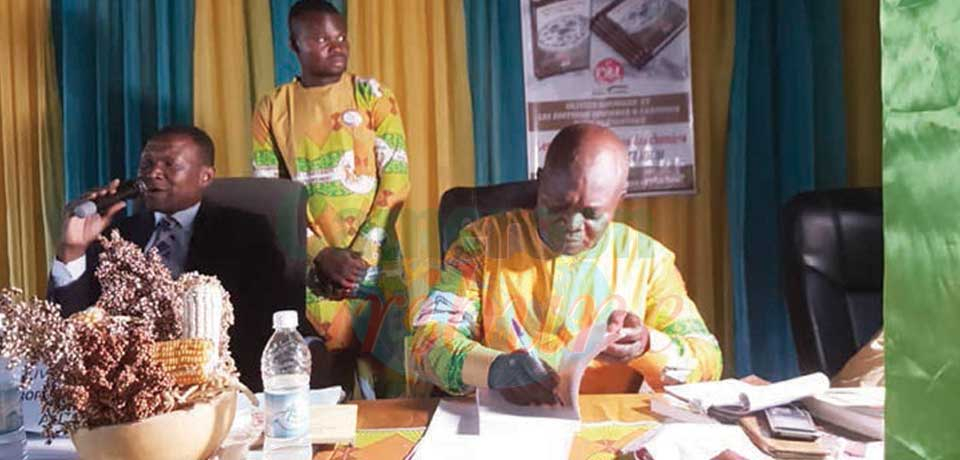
[(497, 90), (125, 70), (921, 157), (786, 135)]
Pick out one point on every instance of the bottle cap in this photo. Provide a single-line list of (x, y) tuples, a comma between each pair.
[(285, 318)]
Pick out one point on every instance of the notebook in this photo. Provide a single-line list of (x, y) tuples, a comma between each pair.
[(758, 431)]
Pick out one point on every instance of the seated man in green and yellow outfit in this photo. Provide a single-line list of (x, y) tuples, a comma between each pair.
[(518, 287)]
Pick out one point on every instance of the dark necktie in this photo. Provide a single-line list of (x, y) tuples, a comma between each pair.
[(166, 242)]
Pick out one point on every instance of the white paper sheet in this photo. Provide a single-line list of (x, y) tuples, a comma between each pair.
[(704, 395), (584, 348), (673, 441), (759, 397), (455, 432)]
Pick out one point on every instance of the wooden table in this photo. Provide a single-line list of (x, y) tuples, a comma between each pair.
[(610, 422)]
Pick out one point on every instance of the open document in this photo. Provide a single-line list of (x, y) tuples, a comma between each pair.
[(492, 427), (589, 343)]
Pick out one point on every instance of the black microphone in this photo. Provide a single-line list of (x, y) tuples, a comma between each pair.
[(125, 191)]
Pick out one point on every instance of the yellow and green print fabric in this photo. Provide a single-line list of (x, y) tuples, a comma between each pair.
[(502, 287), (345, 142)]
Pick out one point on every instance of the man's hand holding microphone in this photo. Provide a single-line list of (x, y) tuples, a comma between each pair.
[(88, 216)]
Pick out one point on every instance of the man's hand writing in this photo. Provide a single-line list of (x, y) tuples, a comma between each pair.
[(524, 380)]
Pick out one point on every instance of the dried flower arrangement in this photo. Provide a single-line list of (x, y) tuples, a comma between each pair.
[(150, 345)]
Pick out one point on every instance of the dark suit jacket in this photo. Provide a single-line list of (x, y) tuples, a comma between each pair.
[(237, 247)]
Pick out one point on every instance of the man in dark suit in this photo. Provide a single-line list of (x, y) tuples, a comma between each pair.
[(190, 234)]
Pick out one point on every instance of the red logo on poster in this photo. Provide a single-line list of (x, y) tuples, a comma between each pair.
[(608, 71)]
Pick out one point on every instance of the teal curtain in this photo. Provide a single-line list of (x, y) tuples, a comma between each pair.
[(125, 70), (285, 65), (497, 91), (786, 135)]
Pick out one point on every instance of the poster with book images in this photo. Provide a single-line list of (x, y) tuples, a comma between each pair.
[(624, 64)]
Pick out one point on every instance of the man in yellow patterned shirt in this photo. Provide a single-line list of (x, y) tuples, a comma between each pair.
[(518, 287), (343, 138)]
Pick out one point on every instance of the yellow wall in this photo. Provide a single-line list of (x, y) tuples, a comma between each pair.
[(861, 84), (31, 178)]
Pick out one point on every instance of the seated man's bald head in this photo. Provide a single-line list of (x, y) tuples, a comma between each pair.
[(582, 182), (586, 144)]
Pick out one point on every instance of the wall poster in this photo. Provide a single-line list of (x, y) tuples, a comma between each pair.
[(624, 64)]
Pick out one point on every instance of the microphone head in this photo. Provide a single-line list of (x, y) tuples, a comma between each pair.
[(85, 209)]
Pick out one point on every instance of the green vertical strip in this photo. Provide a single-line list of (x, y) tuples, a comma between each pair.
[(921, 158)]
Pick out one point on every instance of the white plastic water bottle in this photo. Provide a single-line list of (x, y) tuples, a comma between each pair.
[(285, 367), (13, 438)]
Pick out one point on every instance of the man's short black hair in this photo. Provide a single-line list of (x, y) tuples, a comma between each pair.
[(198, 136), (306, 6)]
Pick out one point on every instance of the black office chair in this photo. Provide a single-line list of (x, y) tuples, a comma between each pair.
[(461, 205), (832, 255), (284, 204)]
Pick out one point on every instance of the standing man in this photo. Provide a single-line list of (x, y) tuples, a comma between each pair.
[(342, 137)]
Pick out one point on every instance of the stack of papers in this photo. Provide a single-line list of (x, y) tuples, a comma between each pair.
[(857, 409)]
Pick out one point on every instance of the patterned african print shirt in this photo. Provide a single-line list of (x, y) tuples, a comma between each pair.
[(345, 142), (499, 273)]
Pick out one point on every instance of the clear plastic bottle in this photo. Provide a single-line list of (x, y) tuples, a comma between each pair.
[(285, 367), (13, 438)]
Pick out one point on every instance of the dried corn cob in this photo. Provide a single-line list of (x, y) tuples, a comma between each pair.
[(202, 312), (188, 361)]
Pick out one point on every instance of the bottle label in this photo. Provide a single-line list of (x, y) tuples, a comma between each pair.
[(287, 412)]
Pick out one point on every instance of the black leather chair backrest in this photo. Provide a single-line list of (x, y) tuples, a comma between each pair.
[(832, 253), (461, 205), (284, 204)]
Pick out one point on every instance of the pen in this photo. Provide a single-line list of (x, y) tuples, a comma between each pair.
[(527, 346)]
